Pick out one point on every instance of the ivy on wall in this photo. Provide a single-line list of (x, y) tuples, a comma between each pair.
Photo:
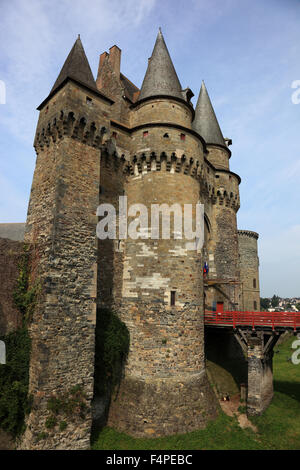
[(14, 375)]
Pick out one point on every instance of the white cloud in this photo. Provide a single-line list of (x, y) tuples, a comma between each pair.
[(36, 37)]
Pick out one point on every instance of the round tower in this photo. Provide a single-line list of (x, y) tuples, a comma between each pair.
[(222, 205), (206, 124), (165, 389), (249, 270)]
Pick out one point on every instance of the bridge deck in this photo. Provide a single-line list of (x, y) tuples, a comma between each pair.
[(273, 320)]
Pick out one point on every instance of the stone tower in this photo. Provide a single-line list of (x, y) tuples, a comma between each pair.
[(221, 250), (249, 269), (61, 231), (165, 389)]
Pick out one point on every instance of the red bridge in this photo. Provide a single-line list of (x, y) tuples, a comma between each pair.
[(272, 320)]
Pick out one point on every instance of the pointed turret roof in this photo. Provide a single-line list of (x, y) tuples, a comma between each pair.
[(76, 67), (161, 77), (205, 122)]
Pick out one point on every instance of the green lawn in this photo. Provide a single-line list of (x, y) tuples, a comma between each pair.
[(278, 428)]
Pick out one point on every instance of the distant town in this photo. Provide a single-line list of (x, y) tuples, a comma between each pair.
[(280, 304)]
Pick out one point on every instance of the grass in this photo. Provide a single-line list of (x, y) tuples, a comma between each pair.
[(278, 427)]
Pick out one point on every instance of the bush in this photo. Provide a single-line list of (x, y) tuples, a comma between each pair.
[(14, 378)]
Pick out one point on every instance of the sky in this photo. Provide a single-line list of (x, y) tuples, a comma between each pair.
[(248, 54)]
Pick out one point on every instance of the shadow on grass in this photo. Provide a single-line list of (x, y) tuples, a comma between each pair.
[(292, 389)]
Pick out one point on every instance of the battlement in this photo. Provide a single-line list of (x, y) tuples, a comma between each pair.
[(248, 233), (66, 123)]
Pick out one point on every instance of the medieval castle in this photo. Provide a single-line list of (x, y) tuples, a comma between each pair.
[(95, 141)]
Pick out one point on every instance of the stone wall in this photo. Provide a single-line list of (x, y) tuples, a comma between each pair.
[(61, 229), (10, 255), (218, 156), (249, 268), (260, 374), (165, 380)]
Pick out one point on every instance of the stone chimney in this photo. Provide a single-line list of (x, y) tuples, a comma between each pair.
[(115, 59)]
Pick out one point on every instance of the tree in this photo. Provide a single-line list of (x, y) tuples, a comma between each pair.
[(264, 303), (275, 301), (298, 307)]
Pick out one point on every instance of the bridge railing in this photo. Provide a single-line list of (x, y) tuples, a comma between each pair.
[(253, 319)]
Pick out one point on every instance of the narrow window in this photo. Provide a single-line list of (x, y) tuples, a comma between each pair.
[(254, 283), (173, 294), (182, 136), (114, 135), (217, 176), (255, 305), (145, 133), (88, 101), (166, 135)]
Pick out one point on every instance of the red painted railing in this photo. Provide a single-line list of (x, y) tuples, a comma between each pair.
[(254, 319)]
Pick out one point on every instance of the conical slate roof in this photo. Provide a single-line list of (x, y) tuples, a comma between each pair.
[(77, 67), (161, 77), (205, 122)]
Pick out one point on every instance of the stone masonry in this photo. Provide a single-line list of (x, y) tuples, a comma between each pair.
[(249, 270), (96, 141)]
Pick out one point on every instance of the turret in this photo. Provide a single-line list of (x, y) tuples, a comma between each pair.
[(206, 124), (222, 248), (61, 231), (162, 285), (249, 269), (161, 98)]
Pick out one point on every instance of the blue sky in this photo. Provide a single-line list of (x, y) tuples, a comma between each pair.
[(247, 52)]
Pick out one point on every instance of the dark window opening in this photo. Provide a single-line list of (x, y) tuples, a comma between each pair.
[(254, 283), (145, 133), (182, 136), (217, 176), (114, 135), (255, 305), (166, 135), (173, 295), (88, 100)]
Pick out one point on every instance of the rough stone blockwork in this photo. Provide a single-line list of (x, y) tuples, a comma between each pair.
[(260, 375), (61, 226), (61, 229), (10, 254)]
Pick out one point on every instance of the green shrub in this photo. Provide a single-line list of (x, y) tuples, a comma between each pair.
[(14, 375), (14, 378), (62, 425), (70, 404), (50, 422)]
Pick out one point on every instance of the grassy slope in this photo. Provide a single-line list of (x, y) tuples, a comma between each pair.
[(279, 427)]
